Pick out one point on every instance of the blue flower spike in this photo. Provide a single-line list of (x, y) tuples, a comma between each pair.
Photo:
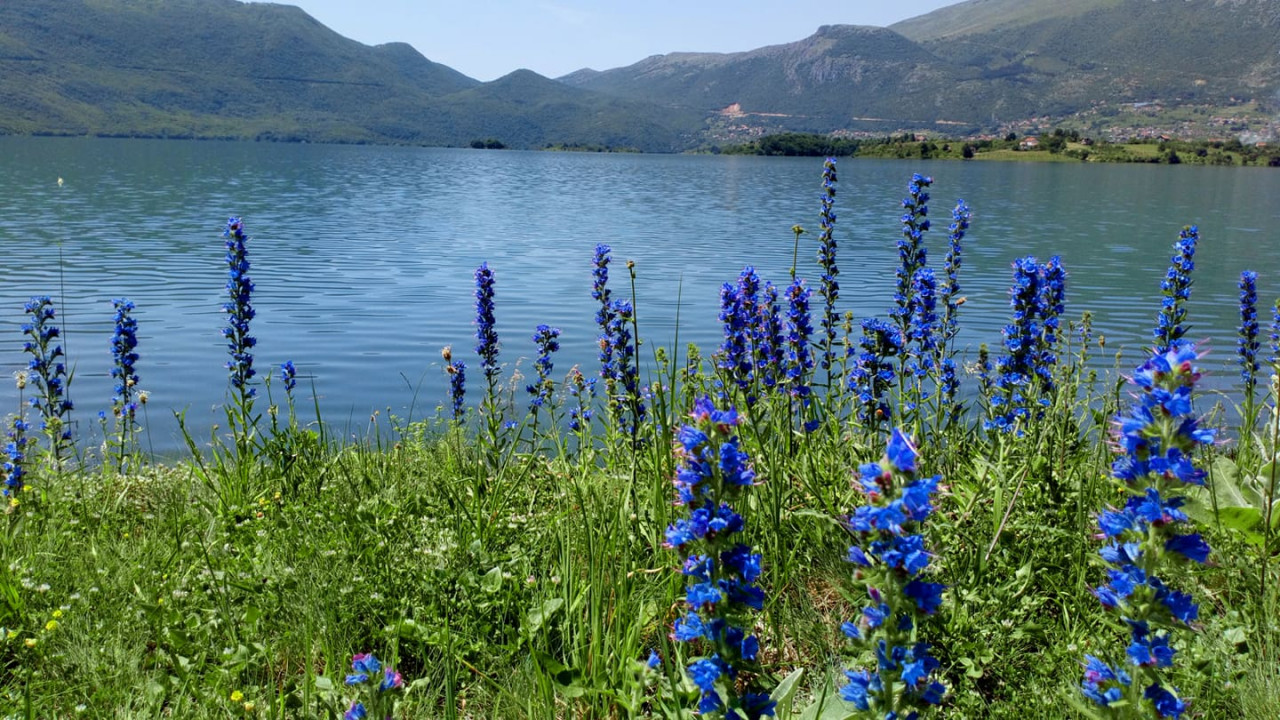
[(891, 562), (1156, 439), (721, 572)]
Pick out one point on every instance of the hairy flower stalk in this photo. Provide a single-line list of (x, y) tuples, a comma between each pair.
[(124, 405), (47, 372), (890, 560), (720, 570), (1176, 289), (1156, 440), (829, 290)]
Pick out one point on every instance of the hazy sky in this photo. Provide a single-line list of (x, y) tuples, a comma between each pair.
[(490, 38)]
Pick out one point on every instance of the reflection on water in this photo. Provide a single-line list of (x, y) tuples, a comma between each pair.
[(363, 256)]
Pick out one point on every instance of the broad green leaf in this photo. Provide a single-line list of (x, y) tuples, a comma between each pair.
[(541, 614), (492, 580), (786, 690)]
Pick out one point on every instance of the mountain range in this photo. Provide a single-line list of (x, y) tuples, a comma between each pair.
[(227, 69)]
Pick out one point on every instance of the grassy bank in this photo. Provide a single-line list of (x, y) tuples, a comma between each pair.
[(520, 556)]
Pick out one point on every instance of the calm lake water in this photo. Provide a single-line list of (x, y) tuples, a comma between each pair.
[(363, 256)]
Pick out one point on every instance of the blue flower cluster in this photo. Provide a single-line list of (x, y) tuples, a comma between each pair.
[(622, 375), (829, 289), (912, 254), (583, 390), (721, 571), (547, 339), (239, 310), (770, 343), (375, 682), (739, 310), (124, 342), (1176, 289), (600, 293), (1248, 343), (874, 375), (1025, 372), (48, 373), (457, 371), (288, 376), (890, 561), (15, 458), (924, 321), (961, 216), (1156, 439), (486, 335), (798, 331)]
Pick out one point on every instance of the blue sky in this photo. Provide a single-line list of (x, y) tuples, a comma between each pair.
[(490, 38)]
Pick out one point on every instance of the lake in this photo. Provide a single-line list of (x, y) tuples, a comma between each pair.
[(363, 256)]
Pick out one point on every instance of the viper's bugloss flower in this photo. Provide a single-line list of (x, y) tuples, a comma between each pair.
[(1176, 291), (1025, 370), (486, 335), (288, 375), (721, 571), (239, 309), (15, 450), (47, 371), (624, 375), (799, 330), (583, 390), (891, 560), (912, 254), (770, 344), (1248, 343), (547, 339), (949, 295), (1274, 335), (739, 309), (124, 342), (604, 315), (924, 319), (375, 685), (457, 371), (874, 374), (1155, 441), (1049, 306), (829, 289)]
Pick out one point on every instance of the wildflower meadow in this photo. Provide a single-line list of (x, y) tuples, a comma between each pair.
[(823, 517)]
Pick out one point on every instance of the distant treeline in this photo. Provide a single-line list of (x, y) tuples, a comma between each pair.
[(1060, 145)]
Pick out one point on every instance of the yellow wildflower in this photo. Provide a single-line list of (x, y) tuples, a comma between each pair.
[(237, 696)]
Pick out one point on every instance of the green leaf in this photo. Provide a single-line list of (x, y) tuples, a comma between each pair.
[(541, 614), (492, 580), (1239, 518), (786, 690), (566, 680)]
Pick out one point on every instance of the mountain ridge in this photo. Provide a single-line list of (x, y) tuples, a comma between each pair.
[(236, 70)]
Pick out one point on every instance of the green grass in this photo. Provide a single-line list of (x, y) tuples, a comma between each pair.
[(524, 574)]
